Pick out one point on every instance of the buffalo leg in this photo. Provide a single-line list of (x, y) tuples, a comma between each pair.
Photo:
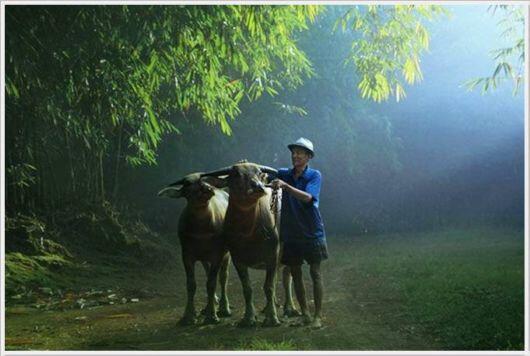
[(288, 307), (276, 302), (269, 287), (206, 266), (250, 313), (211, 284), (224, 307), (191, 286)]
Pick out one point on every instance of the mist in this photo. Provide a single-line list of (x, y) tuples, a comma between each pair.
[(443, 156)]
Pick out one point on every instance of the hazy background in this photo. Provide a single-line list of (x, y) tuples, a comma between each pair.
[(443, 156)]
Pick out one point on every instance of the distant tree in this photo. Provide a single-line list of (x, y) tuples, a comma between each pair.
[(131, 66), (509, 61), (91, 86), (85, 82)]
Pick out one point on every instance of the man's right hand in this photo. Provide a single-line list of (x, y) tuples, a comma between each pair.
[(278, 184)]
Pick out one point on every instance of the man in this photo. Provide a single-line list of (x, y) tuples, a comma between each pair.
[(301, 227)]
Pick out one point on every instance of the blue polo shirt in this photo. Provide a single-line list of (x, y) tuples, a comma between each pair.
[(299, 220)]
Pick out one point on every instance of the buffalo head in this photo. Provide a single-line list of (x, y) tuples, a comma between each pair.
[(195, 188), (245, 180)]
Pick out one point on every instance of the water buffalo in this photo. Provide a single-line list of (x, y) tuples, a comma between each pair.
[(250, 233), (199, 229)]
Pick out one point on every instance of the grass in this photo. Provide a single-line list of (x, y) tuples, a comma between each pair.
[(33, 270), (464, 288), (449, 290), (259, 344)]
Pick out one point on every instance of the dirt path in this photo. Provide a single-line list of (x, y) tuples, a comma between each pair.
[(359, 315), (151, 325)]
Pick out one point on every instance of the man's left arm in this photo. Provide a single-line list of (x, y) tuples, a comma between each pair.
[(313, 187)]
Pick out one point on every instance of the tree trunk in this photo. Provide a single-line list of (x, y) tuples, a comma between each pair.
[(101, 176), (117, 169), (70, 161)]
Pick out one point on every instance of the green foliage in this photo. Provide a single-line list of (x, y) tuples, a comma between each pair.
[(33, 258), (509, 61), (102, 67), (91, 86), (386, 53), (23, 271), (21, 175)]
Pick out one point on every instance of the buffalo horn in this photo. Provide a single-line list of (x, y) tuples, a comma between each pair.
[(266, 169), (217, 173), (179, 182)]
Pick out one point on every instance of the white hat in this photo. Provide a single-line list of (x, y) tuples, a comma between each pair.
[(304, 143)]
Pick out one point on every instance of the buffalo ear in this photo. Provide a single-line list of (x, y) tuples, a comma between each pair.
[(171, 192), (216, 181)]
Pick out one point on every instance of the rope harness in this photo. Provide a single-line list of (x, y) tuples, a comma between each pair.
[(276, 205)]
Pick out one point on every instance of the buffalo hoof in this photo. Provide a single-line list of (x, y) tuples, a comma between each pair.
[(316, 323), (306, 320), (188, 320), (291, 312), (211, 319), (248, 322), (271, 321), (224, 312)]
